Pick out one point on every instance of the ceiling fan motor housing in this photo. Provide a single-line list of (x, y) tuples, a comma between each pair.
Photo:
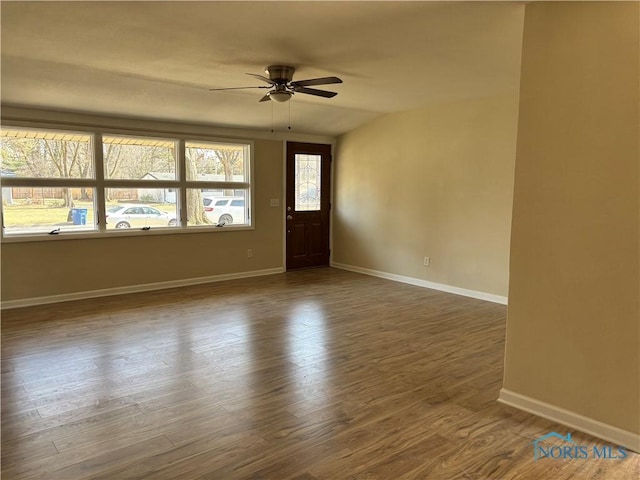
[(281, 74)]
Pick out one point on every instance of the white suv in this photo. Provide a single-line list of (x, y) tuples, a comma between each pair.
[(225, 210)]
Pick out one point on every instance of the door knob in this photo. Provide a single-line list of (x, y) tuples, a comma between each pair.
[(289, 217)]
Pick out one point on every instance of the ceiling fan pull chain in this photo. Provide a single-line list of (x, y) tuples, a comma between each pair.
[(271, 117), (289, 127)]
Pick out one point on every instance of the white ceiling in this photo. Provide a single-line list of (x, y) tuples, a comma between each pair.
[(158, 59)]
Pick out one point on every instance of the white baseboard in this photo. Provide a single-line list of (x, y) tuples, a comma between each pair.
[(424, 283), (571, 419), (146, 287)]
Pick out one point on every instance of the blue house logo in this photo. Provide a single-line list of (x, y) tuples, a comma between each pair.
[(556, 447), (540, 450)]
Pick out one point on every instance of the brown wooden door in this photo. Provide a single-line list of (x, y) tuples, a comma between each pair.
[(307, 204)]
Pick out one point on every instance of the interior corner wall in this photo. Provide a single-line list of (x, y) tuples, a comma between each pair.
[(573, 325), (433, 182)]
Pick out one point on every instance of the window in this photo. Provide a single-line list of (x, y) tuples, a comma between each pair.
[(129, 213), (307, 182), (220, 173), (59, 182), (146, 164), (139, 158), (48, 182)]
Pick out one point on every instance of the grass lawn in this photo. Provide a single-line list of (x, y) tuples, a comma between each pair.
[(50, 213)]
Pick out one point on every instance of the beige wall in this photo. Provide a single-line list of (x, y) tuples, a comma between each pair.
[(45, 268), (573, 336), (434, 182)]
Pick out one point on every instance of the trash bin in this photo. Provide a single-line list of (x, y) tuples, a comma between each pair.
[(79, 216)]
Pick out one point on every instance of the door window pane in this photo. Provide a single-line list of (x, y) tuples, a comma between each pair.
[(140, 208), (30, 210), (307, 182)]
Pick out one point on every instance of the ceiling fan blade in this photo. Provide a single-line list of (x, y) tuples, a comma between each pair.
[(266, 98), (314, 91), (234, 88), (316, 81), (263, 78)]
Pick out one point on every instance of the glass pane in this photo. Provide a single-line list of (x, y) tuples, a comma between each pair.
[(46, 154), (141, 207), (217, 207), (209, 162), (308, 178), (139, 158), (30, 210)]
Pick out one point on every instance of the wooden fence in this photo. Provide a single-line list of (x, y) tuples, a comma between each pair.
[(39, 194)]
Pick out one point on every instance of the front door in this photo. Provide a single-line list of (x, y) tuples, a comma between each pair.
[(307, 204)]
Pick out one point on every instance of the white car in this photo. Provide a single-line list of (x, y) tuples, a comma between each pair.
[(138, 216), (225, 210)]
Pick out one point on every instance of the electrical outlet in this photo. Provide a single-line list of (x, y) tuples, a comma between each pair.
[(249, 253), (427, 261)]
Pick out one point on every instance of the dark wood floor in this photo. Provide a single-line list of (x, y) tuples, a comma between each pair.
[(318, 374)]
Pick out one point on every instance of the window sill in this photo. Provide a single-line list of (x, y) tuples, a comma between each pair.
[(45, 237)]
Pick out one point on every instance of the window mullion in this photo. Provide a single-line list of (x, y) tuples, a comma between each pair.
[(220, 185), (100, 201), (182, 179), (124, 183)]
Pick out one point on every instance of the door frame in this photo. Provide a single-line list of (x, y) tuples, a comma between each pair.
[(283, 207)]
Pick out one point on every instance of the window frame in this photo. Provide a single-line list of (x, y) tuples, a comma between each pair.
[(99, 183), (247, 184)]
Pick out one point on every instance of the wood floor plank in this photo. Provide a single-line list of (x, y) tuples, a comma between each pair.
[(187, 460), (310, 375), (93, 466)]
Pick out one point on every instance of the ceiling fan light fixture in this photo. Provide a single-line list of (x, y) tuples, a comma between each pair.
[(283, 88), (280, 96)]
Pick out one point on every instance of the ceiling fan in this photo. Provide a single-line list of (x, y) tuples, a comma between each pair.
[(283, 88)]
